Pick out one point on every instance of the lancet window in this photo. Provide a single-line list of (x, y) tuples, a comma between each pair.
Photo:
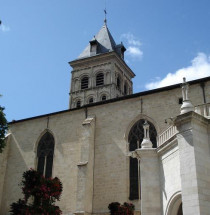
[(118, 83), (135, 138), (45, 152), (125, 89)]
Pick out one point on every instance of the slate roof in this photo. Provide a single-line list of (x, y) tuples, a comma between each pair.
[(105, 41)]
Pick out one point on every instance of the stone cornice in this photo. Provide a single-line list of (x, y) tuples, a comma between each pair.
[(108, 55), (190, 117), (141, 153)]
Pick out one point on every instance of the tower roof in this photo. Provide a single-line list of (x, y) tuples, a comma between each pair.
[(103, 40)]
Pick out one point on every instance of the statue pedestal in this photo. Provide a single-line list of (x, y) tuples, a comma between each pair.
[(187, 107), (146, 143), (150, 181)]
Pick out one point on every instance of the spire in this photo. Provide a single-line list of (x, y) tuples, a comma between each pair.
[(105, 42), (102, 43)]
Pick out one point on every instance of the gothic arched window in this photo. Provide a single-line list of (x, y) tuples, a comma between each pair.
[(45, 152), (84, 83), (100, 79), (135, 139)]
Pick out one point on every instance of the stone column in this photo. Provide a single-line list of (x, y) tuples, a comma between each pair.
[(150, 181), (85, 169), (194, 154), (149, 175)]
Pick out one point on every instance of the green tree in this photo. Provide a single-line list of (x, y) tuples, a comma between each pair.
[(3, 128)]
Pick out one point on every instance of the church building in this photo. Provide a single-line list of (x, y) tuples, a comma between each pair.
[(150, 148)]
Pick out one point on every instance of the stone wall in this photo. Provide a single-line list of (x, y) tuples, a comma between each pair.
[(113, 122)]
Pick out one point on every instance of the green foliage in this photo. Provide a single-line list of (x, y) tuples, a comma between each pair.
[(3, 129), (43, 191)]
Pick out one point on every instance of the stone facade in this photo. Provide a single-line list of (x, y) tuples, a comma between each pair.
[(104, 148), (92, 156)]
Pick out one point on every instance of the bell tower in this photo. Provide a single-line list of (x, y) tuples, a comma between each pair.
[(100, 72)]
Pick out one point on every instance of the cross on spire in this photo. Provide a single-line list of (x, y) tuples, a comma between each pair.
[(105, 20)]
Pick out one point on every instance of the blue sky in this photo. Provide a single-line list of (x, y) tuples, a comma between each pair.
[(165, 41)]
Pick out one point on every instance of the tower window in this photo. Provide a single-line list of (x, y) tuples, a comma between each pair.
[(103, 98), (84, 83), (90, 100), (100, 79), (118, 82), (78, 104), (45, 152), (125, 89)]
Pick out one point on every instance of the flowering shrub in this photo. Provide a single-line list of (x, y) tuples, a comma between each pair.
[(117, 209), (43, 191)]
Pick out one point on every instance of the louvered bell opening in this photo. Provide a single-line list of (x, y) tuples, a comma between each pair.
[(100, 79), (84, 83)]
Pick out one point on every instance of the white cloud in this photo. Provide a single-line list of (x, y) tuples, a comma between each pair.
[(133, 46), (4, 28), (199, 68), (134, 52)]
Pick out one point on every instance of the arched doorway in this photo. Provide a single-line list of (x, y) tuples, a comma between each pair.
[(175, 205), (180, 212)]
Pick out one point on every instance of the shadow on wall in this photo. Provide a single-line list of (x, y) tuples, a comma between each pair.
[(16, 165)]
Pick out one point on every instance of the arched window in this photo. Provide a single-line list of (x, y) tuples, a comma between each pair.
[(125, 89), (118, 82), (45, 152), (84, 83), (135, 139), (100, 79), (78, 104), (91, 100), (103, 98)]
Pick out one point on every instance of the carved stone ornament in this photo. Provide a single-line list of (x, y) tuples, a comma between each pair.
[(187, 106)]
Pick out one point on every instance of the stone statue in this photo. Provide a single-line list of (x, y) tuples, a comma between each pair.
[(186, 105), (185, 89), (146, 143)]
